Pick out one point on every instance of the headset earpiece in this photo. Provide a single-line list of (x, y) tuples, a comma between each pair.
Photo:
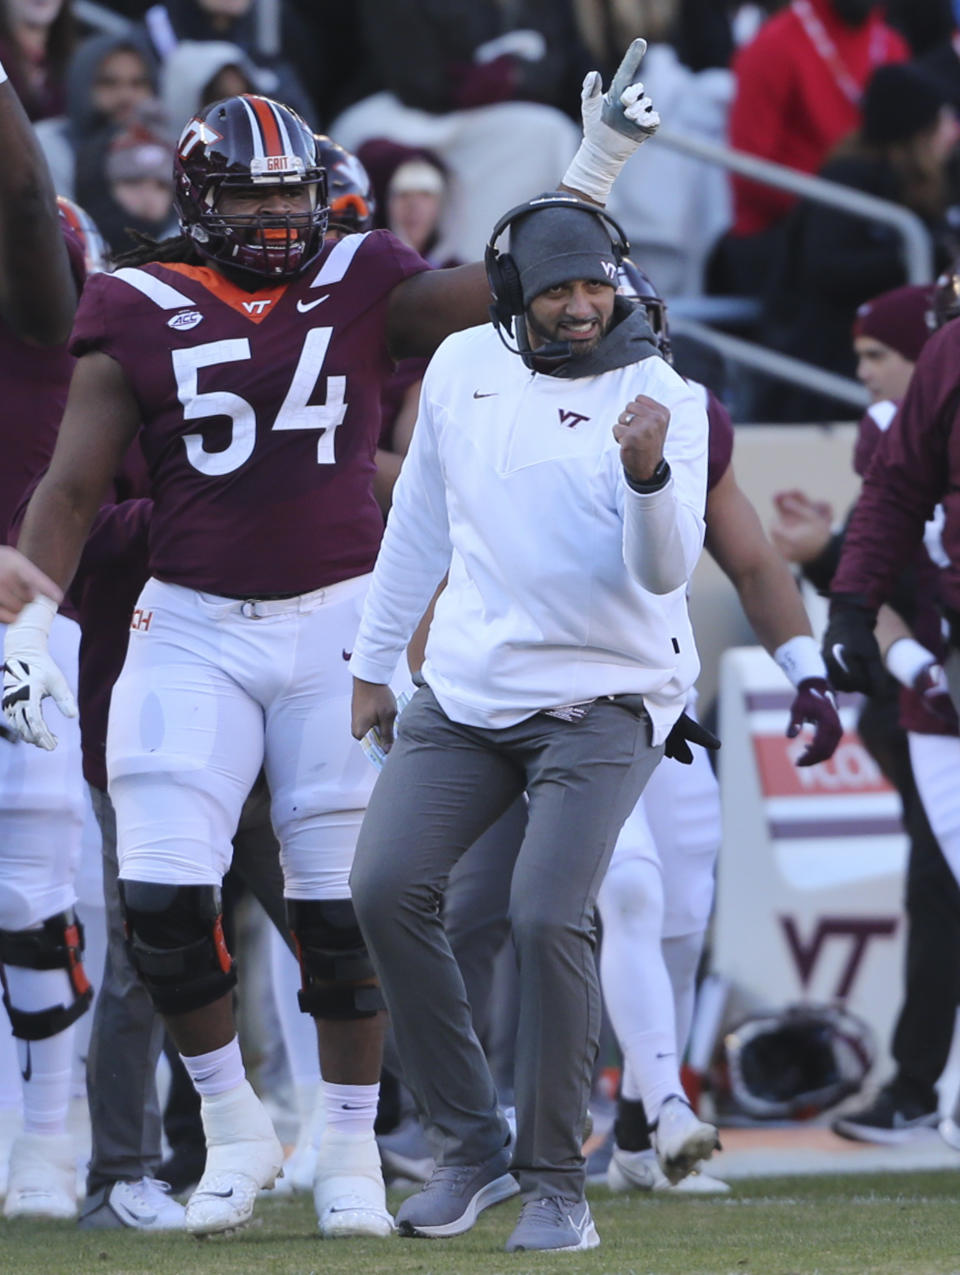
[(504, 279), (510, 288)]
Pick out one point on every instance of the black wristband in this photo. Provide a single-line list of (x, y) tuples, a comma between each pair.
[(659, 478)]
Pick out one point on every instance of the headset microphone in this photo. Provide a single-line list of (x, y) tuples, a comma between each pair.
[(549, 352), (552, 352)]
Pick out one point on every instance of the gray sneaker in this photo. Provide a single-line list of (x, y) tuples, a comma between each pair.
[(450, 1200), (554, 1223), (144, 1205)]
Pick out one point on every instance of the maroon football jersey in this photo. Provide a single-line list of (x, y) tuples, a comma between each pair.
[(260, 411), (916, 464), (33, 389), (924, 579), (719, 440)]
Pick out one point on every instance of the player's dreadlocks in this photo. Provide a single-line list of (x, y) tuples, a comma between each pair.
[(179, 248)]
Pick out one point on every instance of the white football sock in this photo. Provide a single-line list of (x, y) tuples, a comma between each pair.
[(218, 1071)]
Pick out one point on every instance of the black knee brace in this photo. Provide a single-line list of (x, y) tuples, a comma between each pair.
[(56, 945), (333, 960), (176, 944)]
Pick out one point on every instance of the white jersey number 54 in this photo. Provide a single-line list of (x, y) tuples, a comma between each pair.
[(295, 411)]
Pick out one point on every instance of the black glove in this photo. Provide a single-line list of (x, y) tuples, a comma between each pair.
[(686, 731), (850, 649)]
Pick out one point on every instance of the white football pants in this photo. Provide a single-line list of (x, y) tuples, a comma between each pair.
[(42, 805), (213, 688), (655, 903)]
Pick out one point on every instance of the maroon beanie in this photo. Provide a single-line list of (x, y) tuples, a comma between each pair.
[(901, 319)]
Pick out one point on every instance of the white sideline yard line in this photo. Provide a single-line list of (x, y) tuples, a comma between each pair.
[(766, 1164), (830, 1155), (761, 1201)]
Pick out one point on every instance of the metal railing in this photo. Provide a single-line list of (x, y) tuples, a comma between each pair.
[(770, 362), (915, 239), (917, 247)]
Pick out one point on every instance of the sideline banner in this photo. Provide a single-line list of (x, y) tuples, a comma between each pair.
[(811, 870)]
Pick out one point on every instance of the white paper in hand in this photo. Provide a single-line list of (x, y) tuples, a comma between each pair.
[(372, 744)]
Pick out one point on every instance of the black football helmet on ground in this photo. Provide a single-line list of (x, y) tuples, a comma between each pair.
[(239, 143), (795, 1063), (349, 190)]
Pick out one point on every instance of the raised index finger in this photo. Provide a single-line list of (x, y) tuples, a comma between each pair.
[(627, 70)]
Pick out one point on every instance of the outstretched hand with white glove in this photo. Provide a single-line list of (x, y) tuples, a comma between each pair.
[(615, 123), (29, 675)]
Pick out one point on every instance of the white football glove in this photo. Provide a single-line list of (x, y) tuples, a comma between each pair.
[(29, 675), (615, 123)]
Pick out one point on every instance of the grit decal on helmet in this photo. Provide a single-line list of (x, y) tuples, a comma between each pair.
[(241, 143), (349, 189)]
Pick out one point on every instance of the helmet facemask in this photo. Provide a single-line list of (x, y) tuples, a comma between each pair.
[(275, 245), (223, 150)]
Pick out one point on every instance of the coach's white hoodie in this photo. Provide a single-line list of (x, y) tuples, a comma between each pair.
[(564, 584)]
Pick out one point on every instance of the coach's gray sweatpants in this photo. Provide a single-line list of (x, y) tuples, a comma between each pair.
[(443, 785), (127, 1033)]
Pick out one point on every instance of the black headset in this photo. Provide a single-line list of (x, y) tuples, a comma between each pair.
[(503, 274)]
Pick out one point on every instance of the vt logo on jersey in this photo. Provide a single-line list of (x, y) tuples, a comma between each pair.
[(185, 320), (257, 307), (571, 419)]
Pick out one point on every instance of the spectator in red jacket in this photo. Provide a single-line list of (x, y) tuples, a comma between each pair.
[(798, 93)]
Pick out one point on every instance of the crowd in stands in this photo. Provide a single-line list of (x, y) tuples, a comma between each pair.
[(486, 93)]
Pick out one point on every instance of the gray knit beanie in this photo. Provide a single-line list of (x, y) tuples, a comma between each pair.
[(556, 245)]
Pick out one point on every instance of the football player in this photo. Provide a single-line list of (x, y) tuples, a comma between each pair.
[(349, 190), (20, 582), (253, 353), (914, 468), (916, 747), (45, 989), (656, 898)]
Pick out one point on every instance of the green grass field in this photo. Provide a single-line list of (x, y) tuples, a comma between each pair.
[(869, 1224)]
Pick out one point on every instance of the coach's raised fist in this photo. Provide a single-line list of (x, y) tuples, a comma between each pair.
[(640, 430)]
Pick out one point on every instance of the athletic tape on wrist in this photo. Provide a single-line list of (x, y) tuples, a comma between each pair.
[(593, 170)]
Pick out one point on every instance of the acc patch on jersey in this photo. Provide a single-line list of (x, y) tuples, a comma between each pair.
[(185, 320)]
